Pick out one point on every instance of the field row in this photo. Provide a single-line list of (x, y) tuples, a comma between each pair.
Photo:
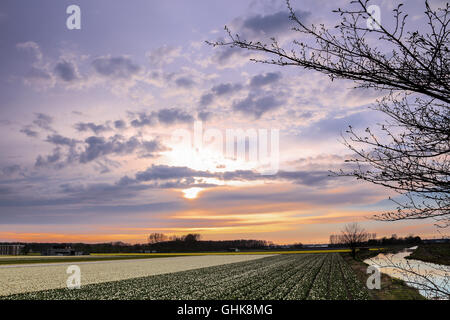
[(294, 277)]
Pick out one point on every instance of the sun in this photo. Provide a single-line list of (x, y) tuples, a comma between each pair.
[(191, 193)]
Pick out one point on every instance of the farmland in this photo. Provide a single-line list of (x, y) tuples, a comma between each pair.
[(290, 277), (16, 260), (44, 276)]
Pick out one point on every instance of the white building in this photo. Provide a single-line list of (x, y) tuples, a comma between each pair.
[(11, 249)]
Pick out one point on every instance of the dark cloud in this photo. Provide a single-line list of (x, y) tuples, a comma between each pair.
[(226, 88), (50, 159), (125, 181), (66, 71), (184, 82), (173, 115), (308, 178), (29, 132), (163, 172), (143, 120), (86, 126), (102, 167), (219, 90), (151, 148), (227, 53), (312, 178), (167, 116), (257, 106), (99, 146), (115, 67), (206, 99), (96, 148), (43, 121), (229, 56), (60, 140), (120, 124), (265, 79), (9, 170), (204, 115), (272, 24), (163, 177)]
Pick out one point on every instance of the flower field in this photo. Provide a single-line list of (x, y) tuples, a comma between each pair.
[(293, 277), (44, 276)]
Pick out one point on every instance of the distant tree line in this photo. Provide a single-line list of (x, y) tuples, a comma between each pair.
[(191, 242), (395, 240), (156, 242), (161, 237), (336, 241)]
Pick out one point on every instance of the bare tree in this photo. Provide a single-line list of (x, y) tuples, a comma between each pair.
[(353, 236), (411, 69), (156, 237)]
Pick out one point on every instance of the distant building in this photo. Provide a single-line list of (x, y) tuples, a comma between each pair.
[(62, 251), (11, 249)]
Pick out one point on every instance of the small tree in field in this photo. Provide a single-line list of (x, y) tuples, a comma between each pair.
[(353, 236)]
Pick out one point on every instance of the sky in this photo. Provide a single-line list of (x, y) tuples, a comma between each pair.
[(107, 132)]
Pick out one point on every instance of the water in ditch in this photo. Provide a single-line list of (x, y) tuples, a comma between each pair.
[(432, 280)]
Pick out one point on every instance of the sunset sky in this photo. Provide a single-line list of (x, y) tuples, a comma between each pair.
[(88, 120)]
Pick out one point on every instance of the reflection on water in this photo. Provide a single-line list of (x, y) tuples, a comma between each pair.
[(432, 280)]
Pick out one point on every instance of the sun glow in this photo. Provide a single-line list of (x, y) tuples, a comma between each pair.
[(209, 158), (191, 193), (206, 159)]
